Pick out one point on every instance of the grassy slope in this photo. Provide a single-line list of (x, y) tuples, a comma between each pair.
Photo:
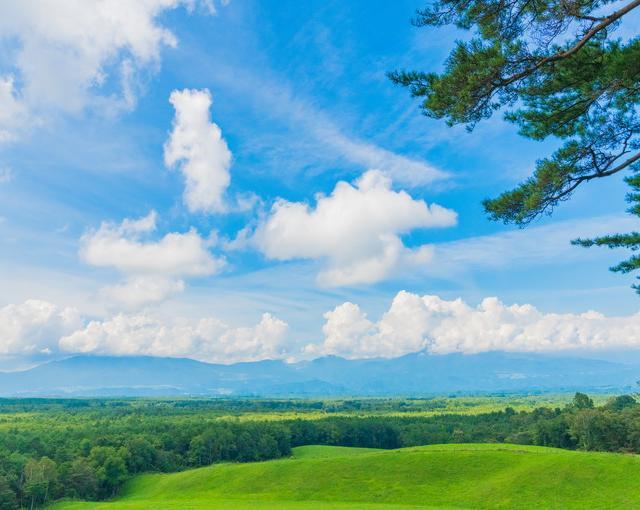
[(439, 476)]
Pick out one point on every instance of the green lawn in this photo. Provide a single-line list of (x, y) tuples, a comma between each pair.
[(429, 477)]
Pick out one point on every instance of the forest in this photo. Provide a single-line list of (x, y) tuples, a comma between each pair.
[(86, 449)]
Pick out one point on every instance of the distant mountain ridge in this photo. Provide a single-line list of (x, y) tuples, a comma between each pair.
[(409, 375)]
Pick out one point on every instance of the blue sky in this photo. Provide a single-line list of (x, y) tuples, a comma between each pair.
[(300, 94)]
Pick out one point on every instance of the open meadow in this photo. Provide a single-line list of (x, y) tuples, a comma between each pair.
[(468, 476)]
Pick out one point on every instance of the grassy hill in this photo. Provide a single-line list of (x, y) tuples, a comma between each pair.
[(439, 476)]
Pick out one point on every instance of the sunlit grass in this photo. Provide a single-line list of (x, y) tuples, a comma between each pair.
[(438, 476)]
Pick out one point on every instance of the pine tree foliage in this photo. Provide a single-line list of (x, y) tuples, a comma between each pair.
[(557, 69)]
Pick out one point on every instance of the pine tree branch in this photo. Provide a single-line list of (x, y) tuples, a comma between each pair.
[(613, 17), (584, 178)]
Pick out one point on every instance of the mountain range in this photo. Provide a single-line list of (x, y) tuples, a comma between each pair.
[(409, 375)]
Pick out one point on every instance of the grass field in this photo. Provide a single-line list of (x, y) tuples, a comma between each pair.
[(438, 476)]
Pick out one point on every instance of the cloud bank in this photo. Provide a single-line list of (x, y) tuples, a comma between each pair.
[(207, 339), (40, 327), (415, 323), (355, 230), (34, 327), (196, 146)]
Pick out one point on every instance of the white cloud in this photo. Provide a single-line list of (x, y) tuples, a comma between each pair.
[(34, 326), (414, 323), (74, 54), (207, 339), (153, 269), (40, 327), (356, 230), (197, 146)]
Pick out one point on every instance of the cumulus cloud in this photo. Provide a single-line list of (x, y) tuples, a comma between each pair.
[(72, 54), (34, 327), (414, 323), (207, 339), (356, 230), (197, 146), (40, 327), (153, 269)]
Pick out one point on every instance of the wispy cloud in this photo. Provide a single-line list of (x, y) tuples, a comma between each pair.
[(318, 131), (534, 245)]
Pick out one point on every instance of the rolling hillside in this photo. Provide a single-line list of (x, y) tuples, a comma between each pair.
[(431, 477)]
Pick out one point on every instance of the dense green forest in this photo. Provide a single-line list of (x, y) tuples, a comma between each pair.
[(50, 449)]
